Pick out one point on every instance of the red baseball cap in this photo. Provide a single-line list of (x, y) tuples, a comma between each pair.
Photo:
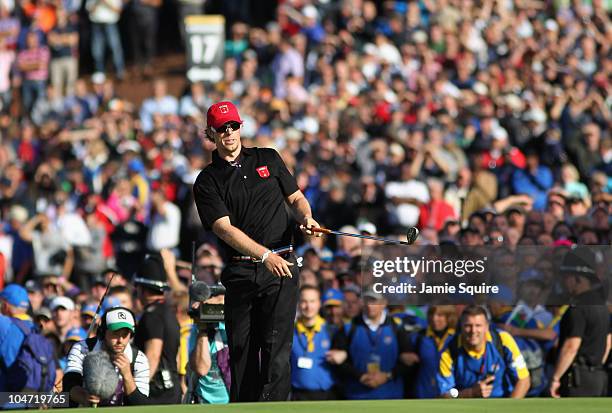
[(221, 113)]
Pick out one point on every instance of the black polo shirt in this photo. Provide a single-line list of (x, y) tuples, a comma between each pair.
[(159, 321), (251, 191), (591, 323)]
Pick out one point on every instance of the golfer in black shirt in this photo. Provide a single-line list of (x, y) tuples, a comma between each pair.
[(241, 196)]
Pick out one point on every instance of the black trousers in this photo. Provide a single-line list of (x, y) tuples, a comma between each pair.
[(259, 319), (582, 381)]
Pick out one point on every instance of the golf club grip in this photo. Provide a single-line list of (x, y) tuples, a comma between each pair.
[(320, 230)]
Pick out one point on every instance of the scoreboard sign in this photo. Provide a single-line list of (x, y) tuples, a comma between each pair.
[(205, 37)]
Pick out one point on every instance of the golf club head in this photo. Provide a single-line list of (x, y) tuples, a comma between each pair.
[(412, 235)]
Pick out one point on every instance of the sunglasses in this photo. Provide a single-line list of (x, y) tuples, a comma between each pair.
[(225, 128)]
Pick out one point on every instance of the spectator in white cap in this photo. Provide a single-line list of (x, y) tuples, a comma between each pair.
[(61, 310)]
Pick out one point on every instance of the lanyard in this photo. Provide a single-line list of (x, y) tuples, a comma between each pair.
[(303, 340), (374, 337)]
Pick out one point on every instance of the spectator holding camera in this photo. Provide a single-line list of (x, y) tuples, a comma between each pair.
[(210, 378), (480, 362)]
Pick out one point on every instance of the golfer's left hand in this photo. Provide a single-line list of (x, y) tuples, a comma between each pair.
[(308, 224)]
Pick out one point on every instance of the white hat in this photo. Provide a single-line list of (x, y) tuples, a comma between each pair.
[(293, 134), (499, 134), (480, 88), (514, 102), (118, 318), (98, 78), (367, 227), (551, 25), (310, 12), (419, 36), (348, 228), (18, 213), (65, 302), (535, 115), (310, 125)]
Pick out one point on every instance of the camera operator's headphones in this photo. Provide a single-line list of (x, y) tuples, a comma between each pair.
[(120, 317)]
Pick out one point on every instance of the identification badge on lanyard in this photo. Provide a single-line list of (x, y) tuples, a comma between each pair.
[(373, 363), (305, 363)]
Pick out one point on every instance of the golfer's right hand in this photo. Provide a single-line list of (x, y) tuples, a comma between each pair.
[(278, 266)]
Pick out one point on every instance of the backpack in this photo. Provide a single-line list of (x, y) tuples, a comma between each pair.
[(34, 367)]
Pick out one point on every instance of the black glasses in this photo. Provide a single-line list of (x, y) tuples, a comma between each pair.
[(225, 128)]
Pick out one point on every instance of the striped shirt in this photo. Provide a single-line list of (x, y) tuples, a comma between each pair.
[(39, 55), (78, 352)]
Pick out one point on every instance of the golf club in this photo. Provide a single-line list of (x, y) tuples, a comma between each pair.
[(96, 316), (412, 235)]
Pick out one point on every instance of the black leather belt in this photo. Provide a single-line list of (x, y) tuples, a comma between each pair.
[(283, 251)]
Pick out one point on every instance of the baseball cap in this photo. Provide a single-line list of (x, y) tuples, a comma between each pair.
[(367, 227), (333, 296), (372, 295), (220, 113), (118, 318), (515, 208), (136, 165), (76, 334), (532, 275), (352, 289), (43, 312), (98, 78), (98, 280), (65, 302), (310, 12), (16, 296), (32, 286), (89, 309), (111, 302)]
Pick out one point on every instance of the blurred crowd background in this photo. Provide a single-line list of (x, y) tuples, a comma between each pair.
[(480, 122)]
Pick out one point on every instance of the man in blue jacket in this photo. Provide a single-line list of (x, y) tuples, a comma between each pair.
[(14, 304), (312, 377), (374, 342)]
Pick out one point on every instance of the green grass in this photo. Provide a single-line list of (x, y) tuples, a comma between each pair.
[(586, 405)]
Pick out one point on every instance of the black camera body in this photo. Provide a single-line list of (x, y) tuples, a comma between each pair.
[(206, 312)]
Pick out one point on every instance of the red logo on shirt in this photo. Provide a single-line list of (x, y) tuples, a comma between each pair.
[(263, 171)]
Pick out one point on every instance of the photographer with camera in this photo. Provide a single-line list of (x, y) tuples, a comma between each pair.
[(209, 371)]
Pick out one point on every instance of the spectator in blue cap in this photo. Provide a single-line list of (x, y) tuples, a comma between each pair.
[(74, 335), (14, 305), (88, 312), (332, 306), (15, 296)]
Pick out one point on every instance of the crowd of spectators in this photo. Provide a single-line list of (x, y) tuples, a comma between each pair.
[(479, 122)]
